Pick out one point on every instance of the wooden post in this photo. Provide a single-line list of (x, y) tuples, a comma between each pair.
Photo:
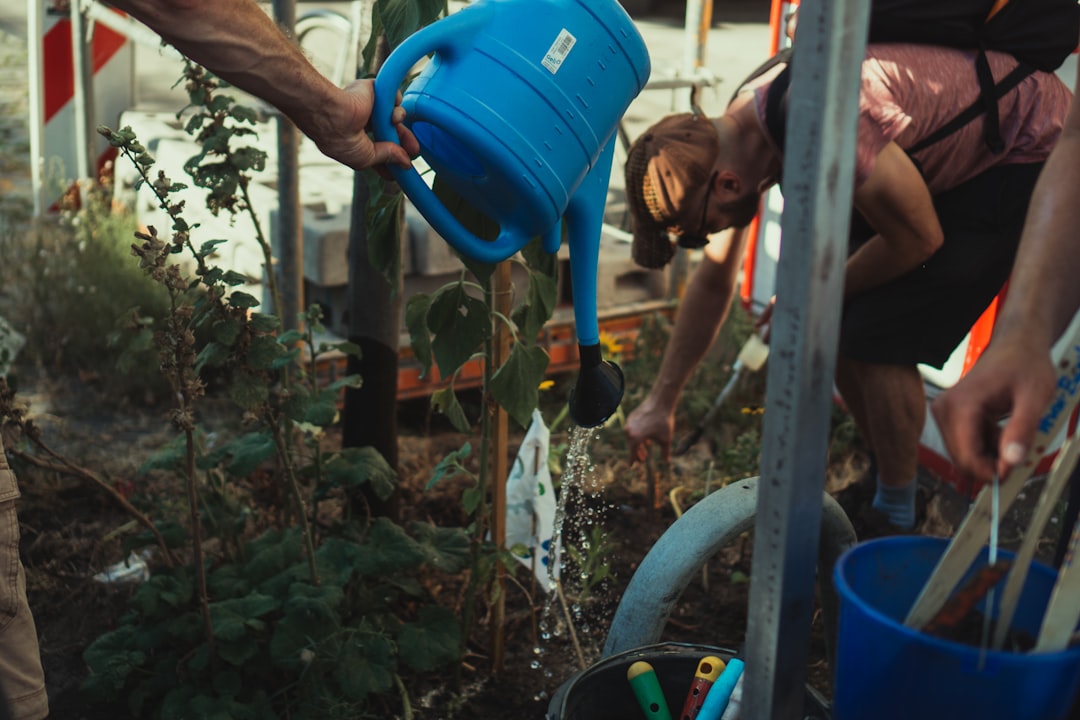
[(501, 294)]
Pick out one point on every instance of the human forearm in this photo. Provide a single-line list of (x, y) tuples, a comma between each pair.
[(1014, 377), (877, 262), (896, 203), (1044, 292), (702, 311), (239, 42)]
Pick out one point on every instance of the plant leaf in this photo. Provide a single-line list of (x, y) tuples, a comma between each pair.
[(433, 640), (537, 307), (366, 665), (401, 18), (246, 453), (248, 390), (444, 548), (112, 658), (263, 351), (461, 324), (446, 402), (516, 385), (353, 467), (388, 550), (416, 320), (231, 619), (307, 621), (451, 464)]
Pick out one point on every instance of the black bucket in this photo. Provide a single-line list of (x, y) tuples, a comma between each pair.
[(602, 692)]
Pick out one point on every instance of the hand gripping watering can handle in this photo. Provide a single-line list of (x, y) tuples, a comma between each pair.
[(446, 37)]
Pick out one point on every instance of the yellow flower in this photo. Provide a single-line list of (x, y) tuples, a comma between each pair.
[(547, 385), (610, 343)]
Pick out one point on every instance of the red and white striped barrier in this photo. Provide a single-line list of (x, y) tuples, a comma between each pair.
[(59, 138)]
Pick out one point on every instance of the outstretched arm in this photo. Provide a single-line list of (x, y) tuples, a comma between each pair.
[(239, 42), (701, 314), (1014, 376)]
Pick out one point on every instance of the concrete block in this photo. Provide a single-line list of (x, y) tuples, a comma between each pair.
[(619, 280), (326, 245), (431, 254)]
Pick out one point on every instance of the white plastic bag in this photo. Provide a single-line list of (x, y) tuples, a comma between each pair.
[(530, 505)]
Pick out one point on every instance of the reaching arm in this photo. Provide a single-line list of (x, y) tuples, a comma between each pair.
[(239, 42), (701, 314), (1014, 376), (897, 204)]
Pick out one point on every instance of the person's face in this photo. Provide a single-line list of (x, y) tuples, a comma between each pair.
[(720, 211), (741, 212)]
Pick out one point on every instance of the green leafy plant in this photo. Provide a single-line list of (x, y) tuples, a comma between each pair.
[(332, 621), (591, 555), (79, 292)]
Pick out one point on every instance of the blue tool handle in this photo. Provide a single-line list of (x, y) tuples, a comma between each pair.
[(720, 693), (446, 37)]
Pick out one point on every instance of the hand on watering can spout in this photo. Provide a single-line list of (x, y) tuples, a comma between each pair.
[(1013, 377), (342, 133)]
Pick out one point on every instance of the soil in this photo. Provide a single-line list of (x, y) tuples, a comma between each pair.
[(71, 531)]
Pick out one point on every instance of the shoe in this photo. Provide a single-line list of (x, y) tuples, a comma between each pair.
[(872, 523)]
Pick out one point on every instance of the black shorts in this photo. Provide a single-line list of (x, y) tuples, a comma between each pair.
[(923, 315)]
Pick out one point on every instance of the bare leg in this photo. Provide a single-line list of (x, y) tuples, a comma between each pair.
[(889, 405), (892, 404), (849, 389)]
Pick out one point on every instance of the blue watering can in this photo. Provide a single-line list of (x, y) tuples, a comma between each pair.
[(517, 110)]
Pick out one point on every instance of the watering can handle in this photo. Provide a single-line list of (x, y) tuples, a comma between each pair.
[(446, 37)]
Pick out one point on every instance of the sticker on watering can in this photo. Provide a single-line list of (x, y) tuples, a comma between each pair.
[(558, 51)]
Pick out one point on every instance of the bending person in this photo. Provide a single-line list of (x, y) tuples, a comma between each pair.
[(934, 231)]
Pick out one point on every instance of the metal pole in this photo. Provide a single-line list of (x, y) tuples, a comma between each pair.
[(695, 35), (36, 67), (818, 185), (290, 240), (83, 98)]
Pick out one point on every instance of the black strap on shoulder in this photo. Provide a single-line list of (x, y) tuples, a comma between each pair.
[(775, 115), (782, 56), (987, 102)]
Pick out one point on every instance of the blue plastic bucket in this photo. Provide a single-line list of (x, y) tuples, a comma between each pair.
[(885, 670)]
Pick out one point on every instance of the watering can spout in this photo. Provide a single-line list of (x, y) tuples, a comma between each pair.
[(599, 387), (598, 390)]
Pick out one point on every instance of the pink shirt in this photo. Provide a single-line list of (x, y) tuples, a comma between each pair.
[(909, 91)]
